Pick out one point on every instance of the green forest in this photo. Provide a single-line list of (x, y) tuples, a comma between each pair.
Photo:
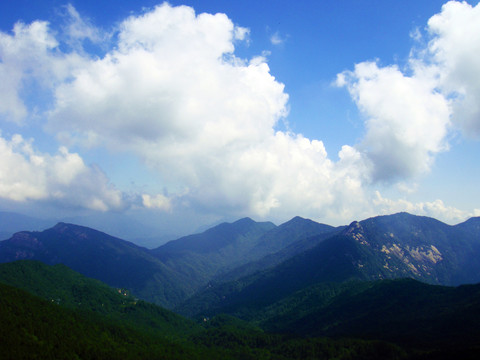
[(52, 312)]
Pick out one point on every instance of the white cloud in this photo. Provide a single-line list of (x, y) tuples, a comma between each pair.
[(175, 94), (455, 49), (24, 51), (241, 33), (436, 209), (172, 92), (26, 174), (408, 116), (28, 58), (158, 201), (276, 39), (406, 119), (78, 29)]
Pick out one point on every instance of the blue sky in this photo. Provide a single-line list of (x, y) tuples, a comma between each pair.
[(166, 112)]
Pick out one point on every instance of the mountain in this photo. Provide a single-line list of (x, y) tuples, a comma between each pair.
[(384, 247), (241, 233), (336, 282), (216, 250), (421, 248), (232, 250), (281, 243), (95, 254), (146, 233), (166, 275), (286, 234)]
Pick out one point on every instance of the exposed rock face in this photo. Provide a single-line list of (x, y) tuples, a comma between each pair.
[(418, 247)]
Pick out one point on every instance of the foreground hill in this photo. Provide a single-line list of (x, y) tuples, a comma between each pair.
[(404, 311), (33, 328), (61, 285), (80, 318)]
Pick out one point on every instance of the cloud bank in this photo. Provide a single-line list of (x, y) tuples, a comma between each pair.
[(170, 90), (27, 174)]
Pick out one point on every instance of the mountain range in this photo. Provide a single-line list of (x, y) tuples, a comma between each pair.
[(398, 278), (257, 256)]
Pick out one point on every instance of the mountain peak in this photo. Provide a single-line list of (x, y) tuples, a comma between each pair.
[(244, 221), (77, 230), (297, 219), (354, 226), (61, 226)]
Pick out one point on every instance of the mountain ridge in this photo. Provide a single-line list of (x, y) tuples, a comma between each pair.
[(95, 254), (287, 256), (384, 247)]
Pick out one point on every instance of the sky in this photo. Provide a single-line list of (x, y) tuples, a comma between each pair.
[(184, 114)]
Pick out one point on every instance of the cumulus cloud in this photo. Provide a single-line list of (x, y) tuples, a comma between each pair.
[(158, 201), (30, 58), (406, 119), (455, 50), (24, 51), (171, 90), (26, 174), (409, 113), (436, 209), (174, 93)]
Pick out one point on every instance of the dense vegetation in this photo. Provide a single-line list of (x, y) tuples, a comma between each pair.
[(33, 328), (76, 317)]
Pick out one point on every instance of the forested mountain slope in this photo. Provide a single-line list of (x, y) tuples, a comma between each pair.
[(385, 247)]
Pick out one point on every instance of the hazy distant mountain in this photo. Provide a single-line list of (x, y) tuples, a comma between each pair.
[(119, 225), (126, 227), (281, 243), (95, 254), (385, 247), (243, 232), (216, 250)]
